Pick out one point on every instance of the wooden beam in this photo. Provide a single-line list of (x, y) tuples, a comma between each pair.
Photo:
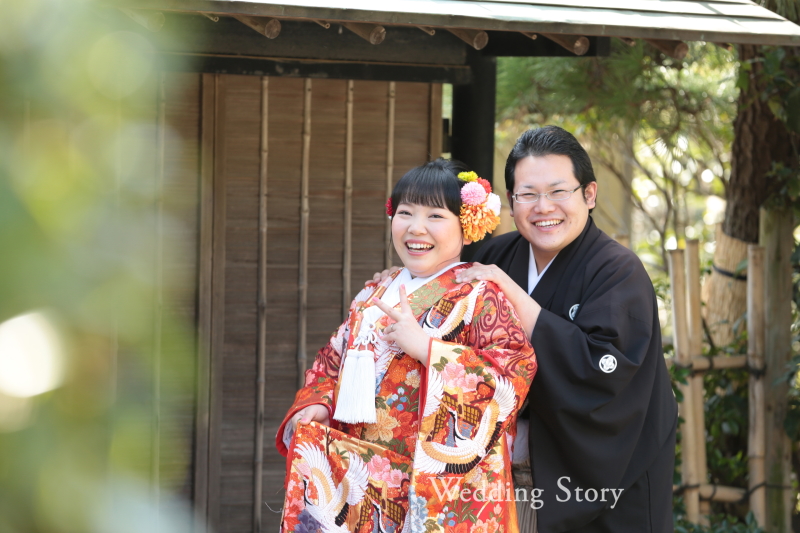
[(776, 227), (674, 49), (628, 41), (268, 27), (577, 44), (204, 300), (427, 29), (387, 261), (695, 331), (302, 285), (347, 260), (325, 24), (373, 33), (218, 307), (478, 39), (691, 497), (211, 16), (152, 20), (258, 477), (755, 359), (530, 35)]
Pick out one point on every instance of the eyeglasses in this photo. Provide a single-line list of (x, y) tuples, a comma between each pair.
[(531, 197)]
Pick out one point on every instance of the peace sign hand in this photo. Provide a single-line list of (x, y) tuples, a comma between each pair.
[(404, 329)]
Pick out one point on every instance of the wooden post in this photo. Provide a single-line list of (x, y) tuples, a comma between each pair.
[(159, 291), (478, 39), (683, 357), (387, 262), (674, 49), (435, 122), (577, 44), (262, 306), (755, 360), (347, 262), (204, 300), (695, 323), (776, 238), (302, 285)]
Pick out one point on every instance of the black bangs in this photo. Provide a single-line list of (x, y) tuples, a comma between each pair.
[(434, 184)]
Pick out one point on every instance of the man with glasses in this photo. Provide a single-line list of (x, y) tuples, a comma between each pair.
[(602, 415)]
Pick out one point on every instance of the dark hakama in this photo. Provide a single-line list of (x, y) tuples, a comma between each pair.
[(602, 411)]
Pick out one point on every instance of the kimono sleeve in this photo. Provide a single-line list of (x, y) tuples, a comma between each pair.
[(320, 379), (493, 369)]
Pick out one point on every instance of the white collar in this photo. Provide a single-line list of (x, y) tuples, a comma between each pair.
[(533, 273)]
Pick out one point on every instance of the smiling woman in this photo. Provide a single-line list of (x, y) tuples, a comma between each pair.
[(420, 387)]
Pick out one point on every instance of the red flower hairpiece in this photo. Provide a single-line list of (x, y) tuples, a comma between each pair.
[(389, 208)]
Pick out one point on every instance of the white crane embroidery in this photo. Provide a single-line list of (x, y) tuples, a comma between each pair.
[(333, 502), (435, 458)]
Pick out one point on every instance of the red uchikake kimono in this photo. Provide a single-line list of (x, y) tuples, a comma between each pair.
[(438, 458)]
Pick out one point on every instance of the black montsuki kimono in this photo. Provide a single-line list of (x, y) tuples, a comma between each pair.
[(602, 412)]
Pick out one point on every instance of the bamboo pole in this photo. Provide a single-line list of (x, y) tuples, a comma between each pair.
[(204, 301), (755, 359), (695, 323), (387, 262), (302, 308), (347, 262), (680, 333), (776, 237), (217, 366), (262, 306), (721, 493), (159, 293)]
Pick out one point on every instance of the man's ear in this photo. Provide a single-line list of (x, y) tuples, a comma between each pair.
[(590, 194), (510, 202)]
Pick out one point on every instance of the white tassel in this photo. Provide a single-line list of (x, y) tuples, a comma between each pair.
[(356, 400)]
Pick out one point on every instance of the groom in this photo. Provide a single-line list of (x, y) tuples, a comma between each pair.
[(602, 414)]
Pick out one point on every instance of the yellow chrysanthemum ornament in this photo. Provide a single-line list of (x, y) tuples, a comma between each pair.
[(480, 207), (467, 176)]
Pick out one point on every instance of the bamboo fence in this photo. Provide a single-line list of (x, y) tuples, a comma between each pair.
[(688, 336)]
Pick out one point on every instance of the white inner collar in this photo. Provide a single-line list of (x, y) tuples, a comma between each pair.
[(533, 273)]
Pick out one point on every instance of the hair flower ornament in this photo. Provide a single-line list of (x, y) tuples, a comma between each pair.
[(389, 208), (480, 207)]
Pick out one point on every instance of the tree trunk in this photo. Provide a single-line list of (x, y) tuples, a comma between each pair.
[(759, 140)]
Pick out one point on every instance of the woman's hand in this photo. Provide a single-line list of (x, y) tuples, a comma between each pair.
[(311, 413), (487, 273), (380, 277), (404, 329)]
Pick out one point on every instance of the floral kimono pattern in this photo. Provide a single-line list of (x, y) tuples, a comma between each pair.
[(437, 459)]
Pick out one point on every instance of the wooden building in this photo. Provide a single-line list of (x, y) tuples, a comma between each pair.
[(283, 128)]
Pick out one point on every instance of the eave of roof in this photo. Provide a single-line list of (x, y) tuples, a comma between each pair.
[(723, 21)]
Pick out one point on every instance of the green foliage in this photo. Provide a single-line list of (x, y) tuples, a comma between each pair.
[(720, 524), (669, 121)]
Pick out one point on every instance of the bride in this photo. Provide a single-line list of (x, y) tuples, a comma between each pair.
[(408, 414)]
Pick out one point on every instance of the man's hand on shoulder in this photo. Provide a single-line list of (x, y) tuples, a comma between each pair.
[(380, 277)]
